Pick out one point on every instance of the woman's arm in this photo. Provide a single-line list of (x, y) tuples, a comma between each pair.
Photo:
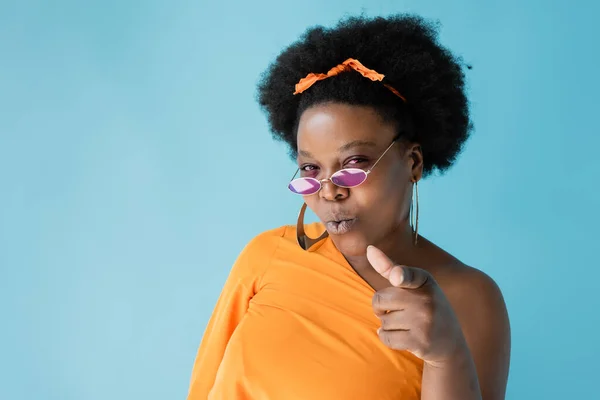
[(453, 379), (457, 324), (241, 285), (479, 369), (227, 314)]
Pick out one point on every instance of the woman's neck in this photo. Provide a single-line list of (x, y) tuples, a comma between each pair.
[(398, 245)]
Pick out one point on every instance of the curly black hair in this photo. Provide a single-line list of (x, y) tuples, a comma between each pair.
[(405, 49)]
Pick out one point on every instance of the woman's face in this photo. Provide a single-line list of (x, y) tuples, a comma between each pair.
[(335, 136)]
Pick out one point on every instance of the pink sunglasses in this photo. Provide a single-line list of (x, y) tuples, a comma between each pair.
[(346, 178)]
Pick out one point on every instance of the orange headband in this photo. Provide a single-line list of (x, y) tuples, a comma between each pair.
[(349, 65)]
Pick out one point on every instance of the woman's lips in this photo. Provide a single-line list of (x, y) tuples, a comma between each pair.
[(340, 227)]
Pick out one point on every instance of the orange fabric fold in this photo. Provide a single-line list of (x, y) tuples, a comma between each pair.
[(350, 64), (295, 325)]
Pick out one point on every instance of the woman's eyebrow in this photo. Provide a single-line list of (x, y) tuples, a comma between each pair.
[(345, 147), (305, 153), (356, 143)]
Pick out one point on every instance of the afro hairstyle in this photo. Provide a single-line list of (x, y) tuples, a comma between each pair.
[(402, 47)]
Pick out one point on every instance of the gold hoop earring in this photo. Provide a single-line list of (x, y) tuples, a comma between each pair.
[(304, 241), (414, 211)]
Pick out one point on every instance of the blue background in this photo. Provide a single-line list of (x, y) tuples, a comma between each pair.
[(135, 164)]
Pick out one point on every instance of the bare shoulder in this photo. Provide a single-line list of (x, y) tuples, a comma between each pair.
[(466, 286), (461, 283), (475, 296), (478, 303)]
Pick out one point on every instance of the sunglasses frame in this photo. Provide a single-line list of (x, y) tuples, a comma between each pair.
[(321, 181)]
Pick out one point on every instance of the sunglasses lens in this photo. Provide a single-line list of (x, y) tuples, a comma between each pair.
[(349, 177), (304, 186)]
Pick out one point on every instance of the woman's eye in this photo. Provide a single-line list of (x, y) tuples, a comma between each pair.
[(308, 167), (357, 161), (309, 170)]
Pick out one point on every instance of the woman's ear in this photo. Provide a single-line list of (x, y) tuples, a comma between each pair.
[(415, 155)]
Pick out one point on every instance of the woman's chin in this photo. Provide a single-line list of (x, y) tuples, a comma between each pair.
[(352, 244)]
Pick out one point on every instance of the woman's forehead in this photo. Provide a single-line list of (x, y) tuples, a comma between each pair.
[(341, 127)]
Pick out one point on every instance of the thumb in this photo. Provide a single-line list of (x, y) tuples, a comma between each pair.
[(385, 266), (398, 275)]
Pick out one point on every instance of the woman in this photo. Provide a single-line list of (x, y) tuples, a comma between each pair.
[(359, 305)]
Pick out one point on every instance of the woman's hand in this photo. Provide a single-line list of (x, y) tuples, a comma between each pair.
[(415, 314)]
